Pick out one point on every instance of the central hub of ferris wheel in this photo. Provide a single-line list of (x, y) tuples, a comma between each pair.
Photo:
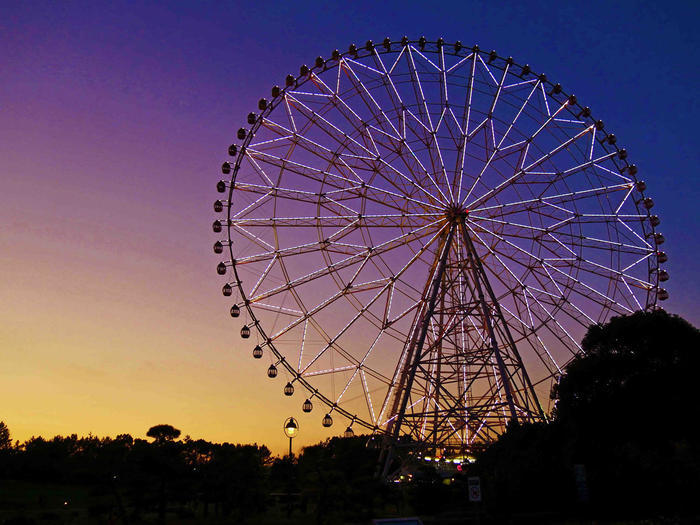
[(419, 233), (456, 213)]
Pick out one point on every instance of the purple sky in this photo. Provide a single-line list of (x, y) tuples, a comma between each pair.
[(115, 118)]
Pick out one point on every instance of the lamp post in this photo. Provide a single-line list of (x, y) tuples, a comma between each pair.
[(291, 428)]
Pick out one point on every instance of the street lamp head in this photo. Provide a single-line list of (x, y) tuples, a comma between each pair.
[(291, 427)]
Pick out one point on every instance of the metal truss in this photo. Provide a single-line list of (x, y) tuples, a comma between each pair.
[(420, 233)]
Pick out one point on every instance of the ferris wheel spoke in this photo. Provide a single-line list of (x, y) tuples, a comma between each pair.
[(423, 169), (444, 96), (552, 319), (334, 221), (584, 242), (500, 256), (636, 262), (370, 102), (401, 110), (328, 371), (278, 192), (564, 145), (341, 293), (302, 249), (578, 286), (624, 280), (567, 197), (535, 229), (583, 167), (529, 332), (368, 398), (596, 162), (406, 179), (400, 315), (359, 368), (262, 277), (595, 242), (497, 256), (393, 416), (486, 68), (361, 129), (604, 271), (462, 154), (498, 147), (543, 92), (633, 233), (466, 116), (388, 83), (341, 138), (334, 180), (535, 84), (328, 156), (277, 309), (499, 90), (564, 302), (329, 243), (349, 261), (594, 294), (418, 90), (251, 236), (426, 122), (355, 189), (369, 303), (550, 119), (523, 170)]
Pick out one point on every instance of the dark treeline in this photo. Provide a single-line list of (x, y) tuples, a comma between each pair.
[(620, 444), (128, 477), (127, 480)]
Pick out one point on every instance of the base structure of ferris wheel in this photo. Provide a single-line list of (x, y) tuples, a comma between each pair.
[(420, 233), (459, 294)]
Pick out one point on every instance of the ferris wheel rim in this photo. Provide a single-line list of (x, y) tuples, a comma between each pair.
[(358, 53)]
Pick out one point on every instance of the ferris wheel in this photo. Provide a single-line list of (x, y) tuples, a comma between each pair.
[(419, 234)]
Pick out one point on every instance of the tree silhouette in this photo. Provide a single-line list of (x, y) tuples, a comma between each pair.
[(634, 368), (337, 478), (133, 478), (626, 406), (623, 410), (163, 433), (5, 439), (163, 463)]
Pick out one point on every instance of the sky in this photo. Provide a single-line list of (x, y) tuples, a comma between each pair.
[(115, 118)]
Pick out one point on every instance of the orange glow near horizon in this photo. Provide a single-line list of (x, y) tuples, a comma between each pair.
[(110, 327)]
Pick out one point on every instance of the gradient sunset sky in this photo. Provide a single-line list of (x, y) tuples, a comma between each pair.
[(115, 118)]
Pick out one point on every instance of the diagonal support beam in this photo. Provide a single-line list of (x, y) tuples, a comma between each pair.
[(417, 347), (480, 277)]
